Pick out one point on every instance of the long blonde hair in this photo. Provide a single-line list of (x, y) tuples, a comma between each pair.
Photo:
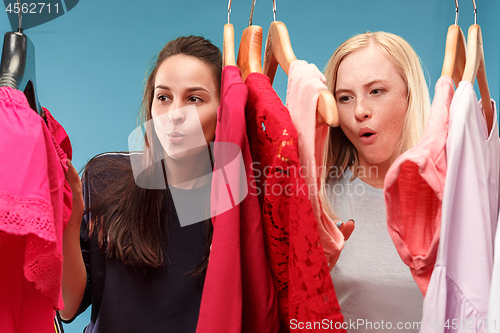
[(340, 153)]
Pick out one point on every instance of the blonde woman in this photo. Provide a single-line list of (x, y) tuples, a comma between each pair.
[(383, 103)]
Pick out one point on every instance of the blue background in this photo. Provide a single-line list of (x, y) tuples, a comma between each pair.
[(91, 61)]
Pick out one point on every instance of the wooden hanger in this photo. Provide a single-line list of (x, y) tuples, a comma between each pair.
[(455, 54), (228, 42), (475, 67), (279, 52), (228, 46), (249, 52)]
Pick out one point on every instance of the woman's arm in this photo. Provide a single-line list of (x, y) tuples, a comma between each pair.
[(74, 277)]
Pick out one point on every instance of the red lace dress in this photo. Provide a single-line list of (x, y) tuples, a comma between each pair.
[(298, 263)]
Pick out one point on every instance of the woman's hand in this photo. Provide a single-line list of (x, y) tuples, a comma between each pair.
[(74, 276), (76, 187), (346, 228)]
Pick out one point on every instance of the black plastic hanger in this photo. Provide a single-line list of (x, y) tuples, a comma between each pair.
[(17, 68)]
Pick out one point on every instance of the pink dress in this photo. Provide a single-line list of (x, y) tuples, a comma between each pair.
[(35, 205), (305, 82), (238, 294), (413, 191)]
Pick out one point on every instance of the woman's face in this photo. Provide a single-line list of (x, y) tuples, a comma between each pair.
[(184, 107), (372, 102)]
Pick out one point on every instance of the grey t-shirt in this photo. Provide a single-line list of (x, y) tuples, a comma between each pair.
[(374, 287)]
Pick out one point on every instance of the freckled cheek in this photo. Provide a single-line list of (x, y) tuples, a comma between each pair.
[(343, 114), (394, 128), (349, 130), (401, 106), (401, 117)]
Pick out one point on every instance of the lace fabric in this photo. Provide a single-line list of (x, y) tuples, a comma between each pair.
[(300, 271), (33, 218), (23, 308)]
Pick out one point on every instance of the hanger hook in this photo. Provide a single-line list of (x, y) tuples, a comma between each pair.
[(456, 12), (274, 10), (475, 11), (20, 17), (229, 10), (251, 13)]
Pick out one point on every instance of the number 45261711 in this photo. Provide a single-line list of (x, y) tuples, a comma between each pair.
[(32, 8)]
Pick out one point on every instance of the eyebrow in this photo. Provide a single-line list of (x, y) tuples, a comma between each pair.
[(365, 85), (188, 89)]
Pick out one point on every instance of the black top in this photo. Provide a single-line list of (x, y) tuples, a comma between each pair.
[(124, 299)]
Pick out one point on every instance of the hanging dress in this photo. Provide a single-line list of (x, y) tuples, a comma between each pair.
[(238, 295), (298, 262), (413, 191), (460, 283), (35, 205)]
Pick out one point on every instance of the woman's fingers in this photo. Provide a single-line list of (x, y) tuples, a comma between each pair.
[(75, 183), (346, 228)]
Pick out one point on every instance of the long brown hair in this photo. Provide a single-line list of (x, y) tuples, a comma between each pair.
[(127, 218)]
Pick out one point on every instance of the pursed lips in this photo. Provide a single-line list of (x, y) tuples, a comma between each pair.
[(175, 136)]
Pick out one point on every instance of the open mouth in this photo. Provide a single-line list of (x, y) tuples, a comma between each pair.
[(366, 132), (366, 136)]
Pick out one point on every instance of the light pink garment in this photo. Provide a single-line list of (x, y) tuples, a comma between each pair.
[(494, 305), (413, 191), (459, 287), (305, 82)]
